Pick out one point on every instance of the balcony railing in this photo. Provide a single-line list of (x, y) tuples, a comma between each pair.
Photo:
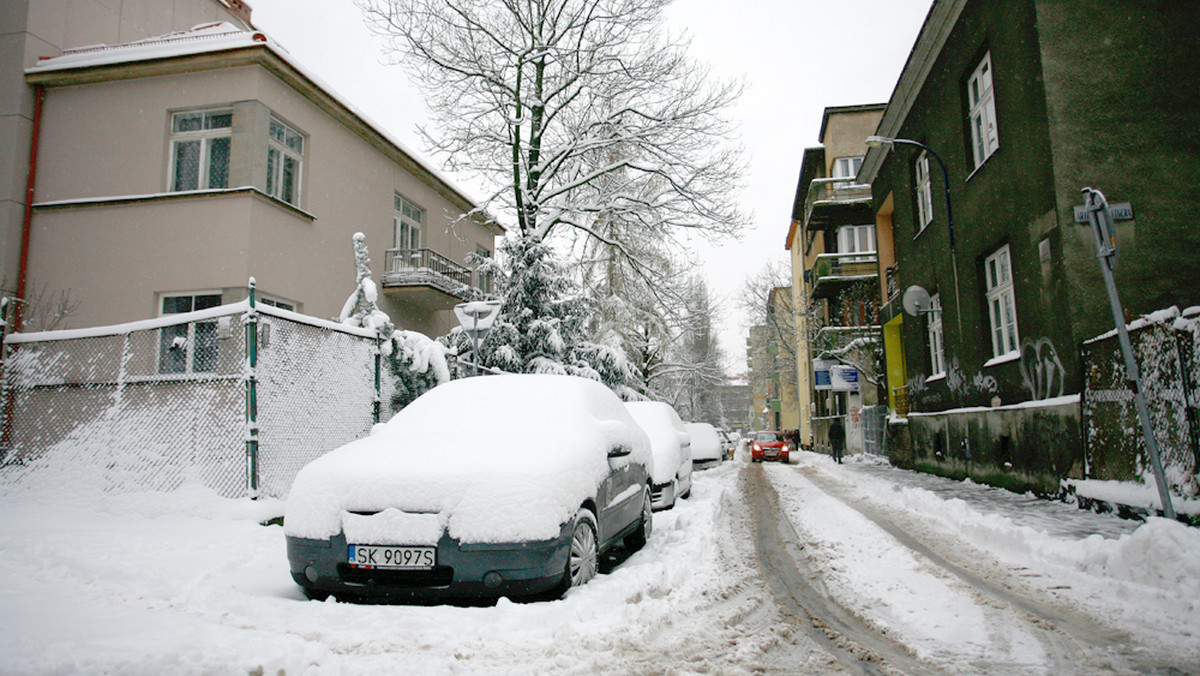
[(831, 273), (893, 282), (426, 267), (836, 195)]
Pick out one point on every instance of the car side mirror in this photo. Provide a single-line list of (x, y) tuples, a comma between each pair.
[(619, 451)]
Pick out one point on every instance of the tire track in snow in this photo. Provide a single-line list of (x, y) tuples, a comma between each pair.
[(853, 644), (1074, 643)]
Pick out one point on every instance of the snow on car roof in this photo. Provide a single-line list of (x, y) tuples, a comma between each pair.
[(500, 458), (706, 444)]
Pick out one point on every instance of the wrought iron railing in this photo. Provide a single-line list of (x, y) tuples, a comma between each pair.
[(426, 267)]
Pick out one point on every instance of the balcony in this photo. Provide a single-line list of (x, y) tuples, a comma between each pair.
[(833, 273), (833, 202), (425, 278)]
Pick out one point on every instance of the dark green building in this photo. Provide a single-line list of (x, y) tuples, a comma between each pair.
[(1025, 103)]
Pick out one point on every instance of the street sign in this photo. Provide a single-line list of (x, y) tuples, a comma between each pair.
[(1121, 211)]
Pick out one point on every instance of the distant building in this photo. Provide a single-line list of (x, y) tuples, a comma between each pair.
[(836, 277)]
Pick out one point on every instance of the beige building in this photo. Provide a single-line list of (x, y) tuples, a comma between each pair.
[(189, 152), (835, 275)]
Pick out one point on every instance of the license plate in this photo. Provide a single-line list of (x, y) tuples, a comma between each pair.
[(373, 556)]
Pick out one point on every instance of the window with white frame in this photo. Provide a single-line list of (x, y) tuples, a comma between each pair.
[(856, 239), (847, 167), (924, 191), (408, 220), (1001, 302), (285, 150), (981, 102), (200, 149), (281, 304), (937, 343), (191, 347)]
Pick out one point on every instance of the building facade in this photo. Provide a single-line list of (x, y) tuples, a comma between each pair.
[(1002, 115), (835, 274), (189, 153)]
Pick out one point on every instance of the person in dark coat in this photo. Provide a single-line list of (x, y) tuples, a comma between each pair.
[(837, 439)]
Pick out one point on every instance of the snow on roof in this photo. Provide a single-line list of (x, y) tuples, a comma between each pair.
[(209, 38)]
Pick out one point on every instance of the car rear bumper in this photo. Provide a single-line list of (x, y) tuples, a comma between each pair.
[(463, 571)]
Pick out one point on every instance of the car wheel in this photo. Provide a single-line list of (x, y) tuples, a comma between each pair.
[(584, 558), (638, 538), (315, 594)]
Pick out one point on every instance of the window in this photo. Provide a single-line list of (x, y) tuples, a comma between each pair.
[(192, 347), (924, 192), (483, 278), (847, 167), (937, 344), (285, 148), (408, 220), (982, 104), (200, 149), (281, 304), (856, 239), (1002, 304)]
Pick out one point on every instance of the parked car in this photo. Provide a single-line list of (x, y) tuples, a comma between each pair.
[(671, 444), (706, 445), (509, 485), (729, 443), (767, 445)]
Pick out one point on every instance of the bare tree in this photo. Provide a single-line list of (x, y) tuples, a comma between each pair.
[(572, 110), (767, 301)]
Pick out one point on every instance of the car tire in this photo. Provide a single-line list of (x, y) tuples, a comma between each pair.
[(583, 559), (315, 594), (638, 538)]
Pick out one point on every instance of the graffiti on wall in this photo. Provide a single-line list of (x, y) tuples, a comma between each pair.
[(1041, 370)]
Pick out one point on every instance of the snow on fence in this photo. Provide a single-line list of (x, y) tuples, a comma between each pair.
[(1167, 347), (153, 404)]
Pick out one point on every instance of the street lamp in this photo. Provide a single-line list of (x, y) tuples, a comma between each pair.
[(476, 319), (889, 143)]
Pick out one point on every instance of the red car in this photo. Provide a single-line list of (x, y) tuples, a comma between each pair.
[(769, 446)]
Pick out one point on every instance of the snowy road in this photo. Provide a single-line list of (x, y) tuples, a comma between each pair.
[(804, 568)]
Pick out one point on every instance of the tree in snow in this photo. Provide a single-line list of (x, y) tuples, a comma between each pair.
[(570, 108), (693, 369), (418, 364)]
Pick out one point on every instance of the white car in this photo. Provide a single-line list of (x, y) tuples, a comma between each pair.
[(671, 444), (707, 446), (509, 485)]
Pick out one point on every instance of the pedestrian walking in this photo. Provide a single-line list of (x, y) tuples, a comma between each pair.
[(837, 439)]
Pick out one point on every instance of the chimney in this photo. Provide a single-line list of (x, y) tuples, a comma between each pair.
[(241, 9)]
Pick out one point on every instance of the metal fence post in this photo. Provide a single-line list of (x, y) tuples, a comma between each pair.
[(251, 322), (378, 364)]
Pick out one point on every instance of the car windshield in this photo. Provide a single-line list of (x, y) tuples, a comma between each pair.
[(768, 436)]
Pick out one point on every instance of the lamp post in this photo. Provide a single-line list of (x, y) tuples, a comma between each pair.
[(889, 143), (481, 313)]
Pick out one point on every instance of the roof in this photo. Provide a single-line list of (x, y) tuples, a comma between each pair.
[(940, 20), (166, 53), (812, 164), (842, 110)]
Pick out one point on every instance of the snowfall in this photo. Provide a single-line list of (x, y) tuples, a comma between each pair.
[(190, 583)]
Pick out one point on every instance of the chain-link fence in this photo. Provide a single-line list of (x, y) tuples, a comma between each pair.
[(1168, 357), (153, 404)]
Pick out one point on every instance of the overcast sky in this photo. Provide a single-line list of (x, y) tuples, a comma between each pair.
[(796, 57)]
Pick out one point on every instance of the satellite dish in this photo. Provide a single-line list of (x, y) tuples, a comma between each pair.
[(916, 300)]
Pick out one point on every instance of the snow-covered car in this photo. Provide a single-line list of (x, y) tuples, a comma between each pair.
[(767, 445), (672, 473), (707, 447), (508, 485), (729, 443)]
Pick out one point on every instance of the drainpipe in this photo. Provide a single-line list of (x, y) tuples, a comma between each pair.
[(39, 96)]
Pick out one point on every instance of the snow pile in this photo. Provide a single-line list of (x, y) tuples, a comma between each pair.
[(422, 353), (1162, 553), (667, 435), (501, 458)]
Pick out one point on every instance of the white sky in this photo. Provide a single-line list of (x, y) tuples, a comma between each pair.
[(796, 56)]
